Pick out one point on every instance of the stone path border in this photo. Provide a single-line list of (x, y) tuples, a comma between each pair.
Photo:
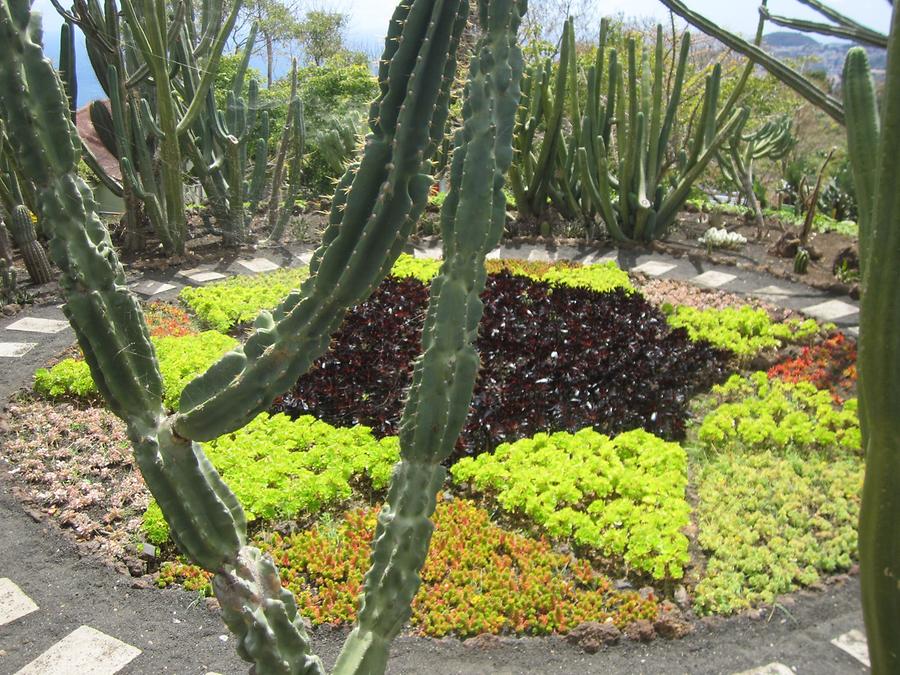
[(32, 338)]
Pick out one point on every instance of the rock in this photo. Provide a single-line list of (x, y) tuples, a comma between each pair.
[(147, 552), (755, 614), (141, 583), (640, 631), (590, 636), (622, 584), (212, 604), (853, 571), (136, 568), (647, 592), (845, 261), (484, 641), (681, 597), (672, 625)]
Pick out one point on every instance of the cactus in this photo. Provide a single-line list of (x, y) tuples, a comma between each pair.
[(9, 288), (377, 204), (337, 144), (773, 140), (801, 261), (648, 200), (21, 226)]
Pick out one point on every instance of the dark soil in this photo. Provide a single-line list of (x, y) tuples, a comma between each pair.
[(757, 254)]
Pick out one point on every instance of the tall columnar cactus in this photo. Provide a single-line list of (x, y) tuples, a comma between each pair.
[(773, 140), (21, 226), (376, 207), (541, 116)]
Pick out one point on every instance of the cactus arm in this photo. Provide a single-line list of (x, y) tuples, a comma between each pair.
[(863, 132), (298, 134), (854, 33), (281, 157), (786, 74), (444, 377), (389, 192)]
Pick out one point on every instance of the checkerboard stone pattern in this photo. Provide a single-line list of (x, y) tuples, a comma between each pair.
[(854, 643), (654, 268), (204, 276), (831, 310), (85, 651), (15, 350), (713, 279), (257, 265), (149, 288), (769, 669), (14, 604), (33, 324)]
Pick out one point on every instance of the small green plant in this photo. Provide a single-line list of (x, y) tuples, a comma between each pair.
[(622, 496), (743, 330), (181, 359), (771, 524), (281, 468), (601, 277), (756, 413), (423, 269), (238, 300)]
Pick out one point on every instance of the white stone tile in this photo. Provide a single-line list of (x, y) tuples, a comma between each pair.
[(14, 604), (259, 265), (773, 292), (655, 268), (853, 330), (831, 310), (538, 254), (32, 324), (203, 277), (713, 279), (84, 651), (149, 288), (769, 669), (494, 255), (854, 643), (15, 350), (430, 253)]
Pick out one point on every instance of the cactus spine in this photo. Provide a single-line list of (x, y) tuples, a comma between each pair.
[(376, 207)]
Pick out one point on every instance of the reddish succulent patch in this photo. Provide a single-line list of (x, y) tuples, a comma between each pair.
[(477, 578), (165, 320), (829, 365), (553, 359)]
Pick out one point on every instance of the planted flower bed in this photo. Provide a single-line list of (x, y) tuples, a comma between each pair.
[(598, 447)]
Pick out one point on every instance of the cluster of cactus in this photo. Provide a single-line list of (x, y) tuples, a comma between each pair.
[(337, 143), (773, 140), (801, 261), (873, 135), (612, 158), (375, 208), (715, 238), (157, 67)]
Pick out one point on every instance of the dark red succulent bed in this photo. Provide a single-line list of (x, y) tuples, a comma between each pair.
[(553, 359)]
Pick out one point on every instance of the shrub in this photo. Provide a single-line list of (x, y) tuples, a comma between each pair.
[(181, 359), (554, 358), (771, 524), (830, 365), (600, 278), (755, 414), (744, 330), (238, 300), (622, 497), (423, 269), (284, 469), (477, 578)]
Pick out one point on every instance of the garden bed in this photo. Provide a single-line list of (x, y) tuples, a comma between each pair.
[(600, 457)]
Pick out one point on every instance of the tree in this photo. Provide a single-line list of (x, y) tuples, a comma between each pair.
[(277, 25), (321, 34)]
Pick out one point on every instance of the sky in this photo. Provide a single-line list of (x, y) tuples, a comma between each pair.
[(369, 19)]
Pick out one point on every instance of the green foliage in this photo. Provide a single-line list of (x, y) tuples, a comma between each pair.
[(771, 524), (238, 300), (743, 330), (181, 359), (622, 496), (601, 277), (283, 469), (423, 269), (755, 413), (154, 525), (478, 578)]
